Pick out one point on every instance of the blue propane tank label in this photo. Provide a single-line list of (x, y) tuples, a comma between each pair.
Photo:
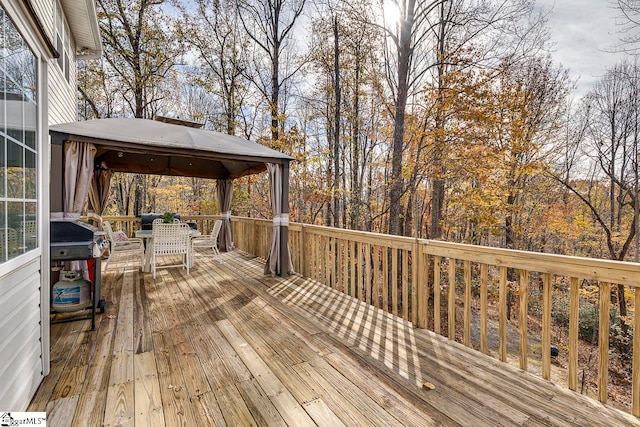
[(68, 295)]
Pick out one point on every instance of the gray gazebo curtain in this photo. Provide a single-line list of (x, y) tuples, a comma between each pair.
[(78, 171), (280, 219), (225, 193), (99, 191)]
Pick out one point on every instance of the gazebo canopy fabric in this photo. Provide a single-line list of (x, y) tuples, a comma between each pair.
[(154, 147)]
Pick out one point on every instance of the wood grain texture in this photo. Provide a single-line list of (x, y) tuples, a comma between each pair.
[(546, 326), (227, 345), (523, 318), (573, 333), (484, 336), (603, 341)]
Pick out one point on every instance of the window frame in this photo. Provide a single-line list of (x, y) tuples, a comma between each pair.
[(28, 139)]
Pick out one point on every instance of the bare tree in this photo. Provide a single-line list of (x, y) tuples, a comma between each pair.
[(270, 25), (214, 31), (608, 186), (629, 25), (437, 35), (139, 49)]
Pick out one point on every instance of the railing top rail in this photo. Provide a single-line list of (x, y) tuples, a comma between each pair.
[(627, 273), (619, 272), (378, 239)]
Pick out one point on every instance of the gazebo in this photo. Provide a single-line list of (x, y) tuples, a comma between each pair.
[(85, 154)]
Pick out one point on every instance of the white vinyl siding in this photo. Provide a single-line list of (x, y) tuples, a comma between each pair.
[(21, 369), (24, 294), (44, 9), (62, 96), (62, 92)]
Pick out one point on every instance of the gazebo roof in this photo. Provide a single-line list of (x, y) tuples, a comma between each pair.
[(154, 147)]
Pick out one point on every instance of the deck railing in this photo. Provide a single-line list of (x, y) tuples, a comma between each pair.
[(467, 292)]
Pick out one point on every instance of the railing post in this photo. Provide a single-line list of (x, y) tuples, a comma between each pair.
[(419, 286), (436, 295)]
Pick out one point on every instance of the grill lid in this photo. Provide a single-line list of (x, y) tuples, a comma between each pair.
[(72, 231)]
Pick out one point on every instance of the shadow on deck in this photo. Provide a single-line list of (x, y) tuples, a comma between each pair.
[(227, 345)]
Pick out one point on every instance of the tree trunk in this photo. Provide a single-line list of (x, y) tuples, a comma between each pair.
[(404, 60), (438, 184), (356, 192)]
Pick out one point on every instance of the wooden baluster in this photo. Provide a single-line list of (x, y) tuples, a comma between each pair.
[(405, 284), (484, 339), (334, 264), (315, 241), (635, 376), (603, 341), (328, 255), (451, 316), (304, 268), (385, 279), (352, 259), (376, 276), (423, 287), (394, 281), (467, 303), (502, 315), (436, 295), (342, 261), (546, 326), (573, 333), (524, 305), (367, 268), (361, 273)]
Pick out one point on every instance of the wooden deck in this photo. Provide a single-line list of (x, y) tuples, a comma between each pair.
[(227, 345)]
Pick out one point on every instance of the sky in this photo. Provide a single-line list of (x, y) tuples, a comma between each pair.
[(584, 34)]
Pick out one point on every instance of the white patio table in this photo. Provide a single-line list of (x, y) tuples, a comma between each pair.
[(147, 235)]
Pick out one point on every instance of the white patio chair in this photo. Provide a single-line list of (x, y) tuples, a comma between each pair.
[(206, 242), (10, 236), (170, 240), (28, 232), (116, 245)]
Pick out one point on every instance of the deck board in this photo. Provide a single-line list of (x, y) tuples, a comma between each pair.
[(229, 346)]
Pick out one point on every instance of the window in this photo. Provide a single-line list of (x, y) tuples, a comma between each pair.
[(18, 147), (63, 39)]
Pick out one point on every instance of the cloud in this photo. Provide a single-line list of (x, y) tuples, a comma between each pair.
[(584, 34)]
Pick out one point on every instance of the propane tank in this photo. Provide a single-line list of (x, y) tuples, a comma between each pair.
[(72, 292)]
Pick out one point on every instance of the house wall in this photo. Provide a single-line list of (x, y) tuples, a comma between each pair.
[(24, 278), (44, 10), (20, 332), (24, 329), (62, 96)]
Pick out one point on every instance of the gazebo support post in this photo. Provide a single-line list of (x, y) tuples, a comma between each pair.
[(56, 183), (284, 227)]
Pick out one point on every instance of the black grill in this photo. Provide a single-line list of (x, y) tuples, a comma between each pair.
[(146, 220), (74, 241)]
